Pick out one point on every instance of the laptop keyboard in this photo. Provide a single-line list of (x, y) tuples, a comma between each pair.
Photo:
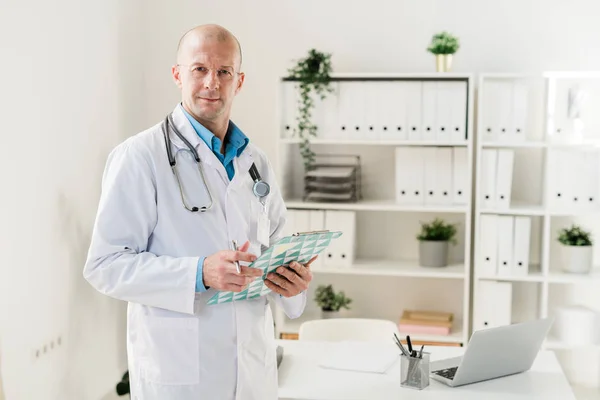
[(447, 373)]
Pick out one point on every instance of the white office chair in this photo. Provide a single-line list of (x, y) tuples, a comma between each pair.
[(356, 329)]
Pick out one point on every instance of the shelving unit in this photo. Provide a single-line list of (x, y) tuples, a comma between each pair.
[(539, 293), (386, 249)]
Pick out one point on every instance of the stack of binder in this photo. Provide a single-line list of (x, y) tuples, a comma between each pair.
[(435, 175), (333, 178), (426, 322), (504, 245)]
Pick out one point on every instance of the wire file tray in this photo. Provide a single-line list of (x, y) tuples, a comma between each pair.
[(333, 178)]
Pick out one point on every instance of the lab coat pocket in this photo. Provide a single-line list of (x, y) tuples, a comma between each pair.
[(171, 351)]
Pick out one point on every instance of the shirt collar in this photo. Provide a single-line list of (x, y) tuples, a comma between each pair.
[(235, 140)]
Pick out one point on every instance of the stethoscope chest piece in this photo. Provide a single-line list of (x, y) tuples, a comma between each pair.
[(261, 189)]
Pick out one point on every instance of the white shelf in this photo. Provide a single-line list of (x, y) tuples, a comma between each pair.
[(396, 268), (531, 277), (566, 278), (376, 142), (517, 145), (375, 205), (518, 209), (456, 335)]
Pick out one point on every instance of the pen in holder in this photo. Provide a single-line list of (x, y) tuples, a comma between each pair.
[(414, 370)]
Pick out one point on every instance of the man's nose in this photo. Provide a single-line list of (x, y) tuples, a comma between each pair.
[(211, 81)]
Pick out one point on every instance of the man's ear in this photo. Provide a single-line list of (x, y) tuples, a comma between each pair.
[(241, 79), (176, 75)]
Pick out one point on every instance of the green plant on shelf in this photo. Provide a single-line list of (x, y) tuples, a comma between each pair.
[(574, 236), (444, 43), (438, 230), (329, 300)]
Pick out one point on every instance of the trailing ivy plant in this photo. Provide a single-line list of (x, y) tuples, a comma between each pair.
[(313, 76)]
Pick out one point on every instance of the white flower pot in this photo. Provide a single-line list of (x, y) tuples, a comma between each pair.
[(329, 314), (576, 259)]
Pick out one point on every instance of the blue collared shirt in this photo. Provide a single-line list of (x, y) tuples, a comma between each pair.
[(235, 143)]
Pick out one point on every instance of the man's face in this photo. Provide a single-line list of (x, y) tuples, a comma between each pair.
[(209, 78)]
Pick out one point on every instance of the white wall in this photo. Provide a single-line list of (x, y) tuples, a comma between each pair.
[(370, 36), (69, 74)]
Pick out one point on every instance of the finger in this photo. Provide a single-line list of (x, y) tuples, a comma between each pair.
[(239, 255), (299, 269), (250, 271), (240, 280), (231, 287), (280, 281), (289, 274), (307, 265), (277, 289), (245, 246)]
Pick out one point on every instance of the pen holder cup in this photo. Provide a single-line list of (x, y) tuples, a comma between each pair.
[(414, 371)]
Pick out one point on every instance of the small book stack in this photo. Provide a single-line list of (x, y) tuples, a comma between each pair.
[(425, 322)]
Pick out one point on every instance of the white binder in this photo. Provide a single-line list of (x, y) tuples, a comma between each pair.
[(325, 114), (505, 244), (395, 121), (504, 173), (560, 182), (488, 178), (290, 97), (403, 174), (431, 188), (591, 192), (374, 111), (494, 307), (460, 175), (503, 111), (416, 171), (488, 245), (488, 117), (445, 108), (520, 108), (458, 103), (428, 111), (443, 178), (522, 235), (413, 92), (559, 125), (340, 253)]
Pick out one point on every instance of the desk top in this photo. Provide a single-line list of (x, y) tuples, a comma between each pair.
[(300, 377)]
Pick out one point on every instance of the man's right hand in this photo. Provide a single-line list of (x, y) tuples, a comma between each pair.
[(219, 270)]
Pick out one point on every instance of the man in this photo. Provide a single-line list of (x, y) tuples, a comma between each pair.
[(151, 247)]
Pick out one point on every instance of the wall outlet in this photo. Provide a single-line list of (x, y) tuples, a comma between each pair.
[(48, 348)]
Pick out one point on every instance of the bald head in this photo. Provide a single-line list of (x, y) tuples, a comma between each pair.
[(210, 32)]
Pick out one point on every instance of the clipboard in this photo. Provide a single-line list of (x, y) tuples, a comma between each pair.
[(300, 247)]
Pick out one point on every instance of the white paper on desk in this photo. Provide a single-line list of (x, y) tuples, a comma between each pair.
[(360, 357)]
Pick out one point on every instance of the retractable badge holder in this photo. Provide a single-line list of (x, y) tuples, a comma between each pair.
[(260, 188)]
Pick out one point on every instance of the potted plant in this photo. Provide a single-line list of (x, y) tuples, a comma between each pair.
[(330, 302), (313, 76), (433, 242), (443, 45), (576, 250)]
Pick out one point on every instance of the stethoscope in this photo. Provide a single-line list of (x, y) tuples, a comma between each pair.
[(260, 188)]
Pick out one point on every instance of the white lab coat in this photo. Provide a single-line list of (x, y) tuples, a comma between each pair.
[(144, 250)]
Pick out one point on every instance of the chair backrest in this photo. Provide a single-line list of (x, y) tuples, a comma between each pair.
[(356, 329)]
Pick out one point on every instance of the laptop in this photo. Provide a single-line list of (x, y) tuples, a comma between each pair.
[(494, 352)]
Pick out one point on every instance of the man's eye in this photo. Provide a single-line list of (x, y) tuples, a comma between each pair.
[(224, 72), (200, 69)]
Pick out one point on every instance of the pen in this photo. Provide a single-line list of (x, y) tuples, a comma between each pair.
[(421, 352), (237, 263), (399, 344), (410, 349)]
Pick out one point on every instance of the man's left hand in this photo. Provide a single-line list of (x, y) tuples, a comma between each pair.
[(292, 280)]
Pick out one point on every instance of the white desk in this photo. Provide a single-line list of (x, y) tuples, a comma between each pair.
[(300, 377)]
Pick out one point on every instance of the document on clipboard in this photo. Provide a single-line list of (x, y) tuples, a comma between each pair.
[(300, 247)]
